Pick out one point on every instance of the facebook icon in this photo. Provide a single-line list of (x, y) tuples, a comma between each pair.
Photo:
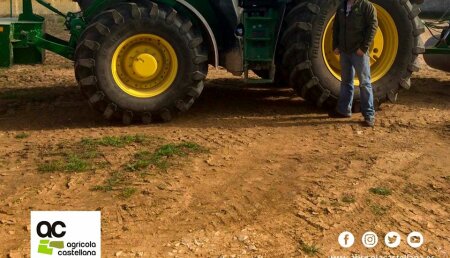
[(346, 239)]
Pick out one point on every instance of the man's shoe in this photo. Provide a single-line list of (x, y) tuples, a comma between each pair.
[(369, 122), (335, 114)]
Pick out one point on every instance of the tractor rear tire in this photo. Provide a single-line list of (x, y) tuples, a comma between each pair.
[(303, 59), (112, 93)]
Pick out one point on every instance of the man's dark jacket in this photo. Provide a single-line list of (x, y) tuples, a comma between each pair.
[(358, 29)]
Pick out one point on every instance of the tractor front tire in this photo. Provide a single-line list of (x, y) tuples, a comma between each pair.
[(312, 69), (141, 63)]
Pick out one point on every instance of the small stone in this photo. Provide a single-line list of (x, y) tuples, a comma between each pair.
[(140, 254), (11, 232), (8, 221), (242, 238), (185, 241), (197, 242), (119, 253), (146, 192), (15, 254), (359, 132), (252, 248), (161, 186)]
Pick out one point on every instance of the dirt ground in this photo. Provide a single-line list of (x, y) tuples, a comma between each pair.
[(275, 177)]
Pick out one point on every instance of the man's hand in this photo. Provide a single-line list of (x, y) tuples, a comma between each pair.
[(359, 52), (337, 51)]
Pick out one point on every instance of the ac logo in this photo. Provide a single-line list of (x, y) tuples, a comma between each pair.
[(65, 233), (51, 229)]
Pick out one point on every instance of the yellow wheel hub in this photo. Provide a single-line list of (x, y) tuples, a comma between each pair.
[(144, 65), (382, 53)]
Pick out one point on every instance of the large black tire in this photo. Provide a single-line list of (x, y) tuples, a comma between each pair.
[(303, 63), (105, 33)]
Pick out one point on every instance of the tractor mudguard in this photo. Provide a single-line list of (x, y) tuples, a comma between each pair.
[(93, 7)]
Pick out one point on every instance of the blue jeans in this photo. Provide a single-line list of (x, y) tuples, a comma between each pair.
[(351, 63)]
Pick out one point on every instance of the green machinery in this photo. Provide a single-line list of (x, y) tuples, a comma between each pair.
[(438, 48), (145, 60), (14, 51)]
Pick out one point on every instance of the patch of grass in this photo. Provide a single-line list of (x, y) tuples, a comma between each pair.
[(51, 166), (378, 209), (334, 202), (22, 135), (309, 249), (89, 154), (142, 160), (116, 179), (347, 198), (160, 157), (76, 164), (113, 141), (127, 192), (380, 191), (70, 163)]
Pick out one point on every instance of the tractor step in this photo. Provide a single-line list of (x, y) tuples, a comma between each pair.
[(15, 48)]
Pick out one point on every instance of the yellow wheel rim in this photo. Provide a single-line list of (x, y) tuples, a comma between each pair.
[(144, 65), (382, 52)]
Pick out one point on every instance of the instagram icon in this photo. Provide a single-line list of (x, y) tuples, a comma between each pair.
[(369, 239)]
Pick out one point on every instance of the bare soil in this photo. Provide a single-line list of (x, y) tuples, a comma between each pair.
[(279, 179)]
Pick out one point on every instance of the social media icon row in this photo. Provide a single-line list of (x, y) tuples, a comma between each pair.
[(370, 239)]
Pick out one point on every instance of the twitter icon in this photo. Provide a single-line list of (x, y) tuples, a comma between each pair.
[(392, 239)]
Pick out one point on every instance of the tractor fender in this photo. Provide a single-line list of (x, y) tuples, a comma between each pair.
[(85, 4), (211, 36)]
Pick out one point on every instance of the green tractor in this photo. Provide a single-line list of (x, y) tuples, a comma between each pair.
[(145, 60)]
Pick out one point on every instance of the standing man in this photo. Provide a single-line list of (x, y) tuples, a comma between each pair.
[(354, 29)]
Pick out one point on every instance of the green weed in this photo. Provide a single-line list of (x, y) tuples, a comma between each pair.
[(160, 157), (70, 163), (348, 198), (116, 179), (22, 135), (380, 191), (127, 192), (378, 209), (76, 164), (309, 249), (51, 166)]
